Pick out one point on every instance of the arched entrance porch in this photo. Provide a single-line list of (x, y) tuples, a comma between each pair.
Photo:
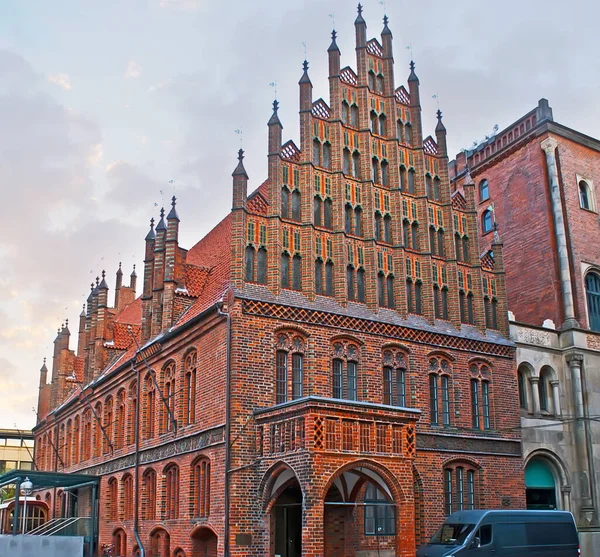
[(283, 502), (361, 512), (204, 542), (545, 482)]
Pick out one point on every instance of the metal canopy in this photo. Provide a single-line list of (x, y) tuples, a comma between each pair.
[(44, 480)]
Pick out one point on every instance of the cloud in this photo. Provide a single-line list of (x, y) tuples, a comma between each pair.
[(133, 71), (159, 86), (61, 79), (95, 155)]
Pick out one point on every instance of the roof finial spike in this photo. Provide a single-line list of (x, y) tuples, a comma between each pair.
[(44, 361), (92, 286), (67, 323), (439, 115), (103, 273), (119, 264), (241, 153), (305, 65), (173, 200), (385, 20), (97, 281), (275, 106), (360, 9), (152, 222), (333, 35), (412, 66), (162, 212)]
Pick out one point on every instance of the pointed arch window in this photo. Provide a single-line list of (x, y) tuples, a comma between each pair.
[(119, 427), (348, 218), (358, 221), (415, 235), (360, 285), (327, 155), (108, 425), (345, 112), (378, 225), (440, 242), (297, 272), (347, 162), (432, 239), (375, 170), (128, 497), (76, 443), (382, 124), (172, 492), (201, 475), (457, 247), (384, 173), (319, 276), (391, 302), (411, 181), (379, 83), (387, 229), (113, 499), (371, 78), (381, 289), (439, 391), (356, 164), (408, 134), (418, 298), (436, 189), (328, 214), (406, 233), (592, 287), (131, 412), (316, 152), (400, 131), (318, 205), (345, 371), (329, 278), (354, 116), (97, 430), (350, 282), (189, 394), (150, 408), (261, 274), (285, 202), (285, 270), (465, 250), (429, 186), (250, 253), (394, 378), (289, 356), (410, 296), (380, 516), (149, 490), (296, 210), (402, 178), (168, 381)]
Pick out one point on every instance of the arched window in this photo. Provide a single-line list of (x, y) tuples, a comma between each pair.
[(296, 212), (345, 371), (585, 196), (484, 192), (250, 264), (329, 278), (201, 491), (149, 491), (131, 412), (460, 487), (462, 303), (285, 203), (327, 155), (540, 485), (428, 186), (285, 270), (378, 227), (402, 178), (319, 276), (411, 180), (439, 391), (86, 438), (436, 189), (150, 408), (75, 444), (347, 162), (360, 285), (348, 218), (98, 436), (408, 134), (440, 242), (382, 124), (465, 250), (350, 282), (356, 164), (371, 77), (358, 221), (486, 221), (189, 393), (172, 492), (400, 131), (394, 378), (592, 288), (345, 112), (120, 542), (384, 173), (68, 443), (317, 209), (470, 317), (127, 497), (168, 381), (354, 116), (381, 288), (119, 426), (445, 302), (437, 303), (160, 543), (375, 170), (457, 246), (113, 499), (391, 303), (261, 275), (418, 298), (108, 425), (380, 516), (432, 239), (316, 152), (289, 355), (410, 296), (379, 83), (387, 229), (297, 272), (406, 233), (328, 214), (522, 389), (415, 235)]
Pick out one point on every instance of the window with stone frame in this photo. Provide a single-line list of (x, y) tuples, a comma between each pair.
[(592, 291), (487, 221), (345, 364), (190, 363), (484, 190), (394, 377), (356, 164), (440, 372), (461, 483), (171, 506), (481, 377), (201, 487), (289, 367)]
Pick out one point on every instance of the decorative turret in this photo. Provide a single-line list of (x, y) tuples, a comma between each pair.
[(415, 106), (238, 217), (171, 242), (159, 275), (81, 335), (133, 280), (148, 282), (103, 291), (305, 113), (43, 374), (274, 146), (118, 284), (388, 59), (334, 56), (360, 28), (440, 134)]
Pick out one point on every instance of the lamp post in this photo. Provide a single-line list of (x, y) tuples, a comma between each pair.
[(27, 489)]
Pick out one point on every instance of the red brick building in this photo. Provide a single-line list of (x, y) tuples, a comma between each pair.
[(323, 373)]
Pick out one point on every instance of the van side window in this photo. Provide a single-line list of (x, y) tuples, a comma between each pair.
[(485, 534)]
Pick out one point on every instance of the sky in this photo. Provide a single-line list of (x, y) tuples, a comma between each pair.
[(108, 108)]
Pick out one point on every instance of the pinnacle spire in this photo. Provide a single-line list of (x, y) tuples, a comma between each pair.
[(274, 117), (161, 223), (103, 285), (359, 17), (133, 273), (119, 270), (239, 169), (333, 46), (468, 178), (413, 75), (173, 212), (151, 234), (305, 78), (386, 29), (440, 126)]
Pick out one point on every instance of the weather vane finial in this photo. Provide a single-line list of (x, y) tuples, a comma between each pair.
[(304, 45), (274, 85), (437, 98), (332, 16), (240, 132)]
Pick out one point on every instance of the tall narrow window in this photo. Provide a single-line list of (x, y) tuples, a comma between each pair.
[(375, 171), (249, 264), (381, 289), (432, 238), (428, 186), (285, 270), (462, 302), (285, 203), (401, 387), (348, 212), (408, 134), (470, 503), (475, 403), (402, 178), (485, 403), (345, 112), (297, 375), (202, 488), (445, 400), (387, 229), (350, 281), (358, 221), (384, 173), (318, 276), (281, 378), (352, 380), (440, 242), (296, 205), (327, 214), (448, 491), (418, 298), (484, 192), (327, 155), (317, 152), (457, 244), (374, 123), (297, 272), (378, 220), (436, 301), (113, 499), (356, 164), (592, 288), (415, 235), (444, 302), (261, 272), (354, 116), (400, 131), (460, 488), (190, 388), (411, 181), (391, 303), (128, 497), (382, 125), (317, 211), (387, 385), (486, 221), (522, 391), (337, 379), (347, 162), (433, 399), (406, 233), (329, 278), (410, 298), (465, 246), (168, 382), (584, 195), (494, 313), (150, 403), (172, 493), (470, 308), (436, 189), (360, 285)]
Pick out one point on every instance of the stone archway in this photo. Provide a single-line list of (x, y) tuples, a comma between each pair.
[(545, 482), (361, 514), (204, 542)]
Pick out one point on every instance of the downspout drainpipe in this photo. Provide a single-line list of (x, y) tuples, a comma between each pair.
[(136, 475), (227, 426)]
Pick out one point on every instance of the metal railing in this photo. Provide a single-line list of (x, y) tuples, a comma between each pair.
[(74, 526)]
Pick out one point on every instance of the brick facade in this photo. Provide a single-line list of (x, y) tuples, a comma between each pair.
[(318, 345)]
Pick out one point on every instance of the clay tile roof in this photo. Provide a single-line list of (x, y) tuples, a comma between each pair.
[(121, 336), (78, 368), (131, 313), (195, 278)]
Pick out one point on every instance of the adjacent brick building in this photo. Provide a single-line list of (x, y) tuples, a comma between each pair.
[(538, 180), (327, 372)]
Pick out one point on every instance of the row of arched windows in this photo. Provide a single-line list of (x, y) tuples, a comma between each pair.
[(110, 425), (321, 154), (121, 496)]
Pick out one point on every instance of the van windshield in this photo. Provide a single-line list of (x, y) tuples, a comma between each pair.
[(452, 534)]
